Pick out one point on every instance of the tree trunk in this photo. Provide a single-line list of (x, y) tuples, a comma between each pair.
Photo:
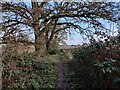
[(40, 48), (47, 45), (48, 41)]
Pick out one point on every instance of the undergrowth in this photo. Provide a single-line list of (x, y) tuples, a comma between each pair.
[(94, 66), (23, 71)]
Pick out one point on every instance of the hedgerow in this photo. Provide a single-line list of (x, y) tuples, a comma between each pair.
[(23, 71)]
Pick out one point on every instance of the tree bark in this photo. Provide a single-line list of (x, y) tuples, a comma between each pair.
[(40, 44), (39, 36), (48, 42), (39, 40)]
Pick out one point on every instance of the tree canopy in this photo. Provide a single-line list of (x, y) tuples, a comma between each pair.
[(44, 18)]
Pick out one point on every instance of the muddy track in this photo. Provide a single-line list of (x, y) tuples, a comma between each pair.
[(61, 82)]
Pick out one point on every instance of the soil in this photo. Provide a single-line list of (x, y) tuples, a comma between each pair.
[(61, 82)]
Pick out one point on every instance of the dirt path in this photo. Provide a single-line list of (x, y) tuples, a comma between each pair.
[(0, 67), (61, 82)]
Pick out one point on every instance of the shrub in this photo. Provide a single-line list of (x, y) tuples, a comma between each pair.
[(23, 71), (52, 51), (94, 67)]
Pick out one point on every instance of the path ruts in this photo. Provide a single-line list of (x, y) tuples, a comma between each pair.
[(61, 82)]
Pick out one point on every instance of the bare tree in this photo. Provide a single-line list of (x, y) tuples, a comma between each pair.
[(44, 18)]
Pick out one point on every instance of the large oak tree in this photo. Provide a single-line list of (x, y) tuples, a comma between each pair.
[(44, 18)]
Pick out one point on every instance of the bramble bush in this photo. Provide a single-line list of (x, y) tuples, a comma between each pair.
[(95, 66), (24, 72)]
